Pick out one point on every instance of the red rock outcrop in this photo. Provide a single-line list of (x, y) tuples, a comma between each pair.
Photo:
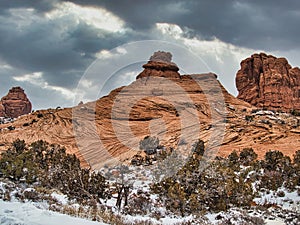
[(2, 110), (162, 103), (269, 82), (160, 65), (15, 103)]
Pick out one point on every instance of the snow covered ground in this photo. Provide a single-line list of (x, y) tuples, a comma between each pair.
[(286, 209), (29, 213), (290, 200)]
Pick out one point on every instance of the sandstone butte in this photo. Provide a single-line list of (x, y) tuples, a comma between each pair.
[(178, 109), (269, 82), (15, 103)]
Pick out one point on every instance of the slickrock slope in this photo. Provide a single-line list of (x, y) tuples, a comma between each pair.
[(269, 82), (15, 103), (176, 109)]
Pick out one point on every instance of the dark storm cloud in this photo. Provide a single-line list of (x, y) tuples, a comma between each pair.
[(85, 39), (43, 45), (270, 24), (39, 5), (60, 50), (6, 81), (36, 47), (141, 14)]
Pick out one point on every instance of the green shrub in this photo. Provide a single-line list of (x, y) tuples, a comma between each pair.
[(193, 189), (249, 118), (247, 156), (295, 112), (51, 167)]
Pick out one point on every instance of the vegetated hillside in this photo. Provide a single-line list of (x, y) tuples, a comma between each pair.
[(177, 109), (238, 189)]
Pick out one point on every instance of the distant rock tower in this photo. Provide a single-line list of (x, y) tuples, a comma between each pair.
[(15, 103)]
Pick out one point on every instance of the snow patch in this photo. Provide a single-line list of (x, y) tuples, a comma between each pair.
[(28, 214), (63, 199)]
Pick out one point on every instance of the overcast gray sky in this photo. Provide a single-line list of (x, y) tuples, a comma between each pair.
[(47, 45)]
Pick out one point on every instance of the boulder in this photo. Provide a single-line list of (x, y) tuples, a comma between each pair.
[(160, 65)]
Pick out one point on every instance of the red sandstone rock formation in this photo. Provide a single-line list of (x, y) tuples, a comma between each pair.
[(15, 103), (269, 82), (165, 108), (2, 110), (160, 65)]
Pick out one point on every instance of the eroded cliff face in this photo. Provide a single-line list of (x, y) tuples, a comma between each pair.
[(15, 103), (269, 82)]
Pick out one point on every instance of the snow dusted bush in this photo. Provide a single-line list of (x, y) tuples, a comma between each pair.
[(247, 156), (227, 183), (51, 167), (139, 204), (216, 188), (239, 217)]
